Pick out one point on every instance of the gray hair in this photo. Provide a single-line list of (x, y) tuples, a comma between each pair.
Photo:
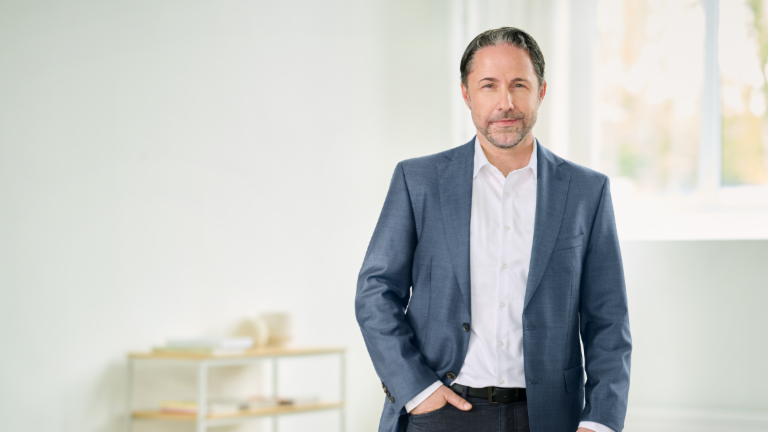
[(504, 35)]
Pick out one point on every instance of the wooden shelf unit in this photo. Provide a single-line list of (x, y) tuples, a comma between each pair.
[(261, 412), (249, 354), (204, 362)]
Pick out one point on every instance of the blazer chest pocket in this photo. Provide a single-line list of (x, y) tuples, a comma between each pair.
[(563, 243)]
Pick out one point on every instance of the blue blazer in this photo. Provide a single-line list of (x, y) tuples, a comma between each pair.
[(413, 291)]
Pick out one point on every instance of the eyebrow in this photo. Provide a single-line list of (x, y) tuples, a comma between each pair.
[(496, 80)]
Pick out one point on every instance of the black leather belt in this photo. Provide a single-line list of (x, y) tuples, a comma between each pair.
[(493, 394)]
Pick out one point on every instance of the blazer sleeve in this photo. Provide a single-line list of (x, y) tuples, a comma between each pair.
[(383, 292), (604, 321)]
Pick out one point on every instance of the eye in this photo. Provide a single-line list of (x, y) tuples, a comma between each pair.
[(488, 86)]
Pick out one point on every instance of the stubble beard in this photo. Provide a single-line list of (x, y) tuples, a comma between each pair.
[(501, 139)]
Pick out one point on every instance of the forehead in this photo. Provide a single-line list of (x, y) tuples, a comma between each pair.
[(503, 59)]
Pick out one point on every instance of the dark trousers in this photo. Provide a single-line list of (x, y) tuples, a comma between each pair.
[(483, 417)]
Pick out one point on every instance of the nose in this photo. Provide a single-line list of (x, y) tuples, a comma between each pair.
[(505, 102)]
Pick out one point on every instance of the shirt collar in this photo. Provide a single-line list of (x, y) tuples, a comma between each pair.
[(481, 160)]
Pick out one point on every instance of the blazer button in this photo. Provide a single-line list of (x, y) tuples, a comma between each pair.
[(451, 376), (391, 399), (465, 326)]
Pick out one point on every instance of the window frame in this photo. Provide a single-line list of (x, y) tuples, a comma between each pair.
[(713, 211), (567, 32)]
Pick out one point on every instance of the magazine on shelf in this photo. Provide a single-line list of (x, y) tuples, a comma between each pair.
[(235, 406), (198, 351), (241, 343), (255, 402), (214, 407)]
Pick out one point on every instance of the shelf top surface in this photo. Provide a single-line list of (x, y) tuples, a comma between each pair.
[(276, 410), (249, 354)]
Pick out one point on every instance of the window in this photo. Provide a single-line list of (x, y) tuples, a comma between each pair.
[(743, 48), (680, 118), (649, 83)]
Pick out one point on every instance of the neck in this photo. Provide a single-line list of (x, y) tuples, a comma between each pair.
[(510, 159)]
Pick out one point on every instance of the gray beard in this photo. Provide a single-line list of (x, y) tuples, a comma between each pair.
[(526, 129), (523, 133), (506, 146)]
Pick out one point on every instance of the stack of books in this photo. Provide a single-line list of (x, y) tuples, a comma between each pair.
[(227, 407), (206, 346), (188, 407), (255, 402)]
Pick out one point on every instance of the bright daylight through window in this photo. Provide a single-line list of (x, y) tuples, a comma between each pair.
[(652, 112), (744, 67)]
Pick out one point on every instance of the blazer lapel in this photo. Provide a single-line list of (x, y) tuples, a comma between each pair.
[(551, 194), (455, 177)]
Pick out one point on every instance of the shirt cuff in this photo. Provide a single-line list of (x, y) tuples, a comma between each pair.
[(597, 427), (413, 403)]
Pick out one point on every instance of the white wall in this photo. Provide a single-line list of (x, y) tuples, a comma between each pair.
[(698, 320), (168, 168)]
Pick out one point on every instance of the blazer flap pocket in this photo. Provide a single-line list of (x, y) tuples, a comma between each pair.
[(568, 242), (574, 379)]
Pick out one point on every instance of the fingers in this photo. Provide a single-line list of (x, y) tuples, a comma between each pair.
[(457, 401), (434, 401)]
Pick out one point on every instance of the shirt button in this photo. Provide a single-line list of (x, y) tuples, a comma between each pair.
[(502, 304), (501, 382), (507, 228), (506, 194), (504, 265), (501, 343)]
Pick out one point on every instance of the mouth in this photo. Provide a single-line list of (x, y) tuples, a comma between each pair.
[(505, 122)]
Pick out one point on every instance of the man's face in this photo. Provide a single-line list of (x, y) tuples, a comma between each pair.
[(503, 94)]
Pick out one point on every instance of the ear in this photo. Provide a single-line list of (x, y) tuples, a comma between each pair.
[(465, 95), (542, 91)]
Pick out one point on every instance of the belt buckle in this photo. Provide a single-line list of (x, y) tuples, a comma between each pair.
[(490, 395)]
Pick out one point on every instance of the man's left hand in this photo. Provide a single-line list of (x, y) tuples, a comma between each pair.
[(584, 430)]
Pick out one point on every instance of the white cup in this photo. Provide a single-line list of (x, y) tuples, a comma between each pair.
[(280, 329)]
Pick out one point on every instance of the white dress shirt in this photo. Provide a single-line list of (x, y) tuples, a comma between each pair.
[(500, 244)]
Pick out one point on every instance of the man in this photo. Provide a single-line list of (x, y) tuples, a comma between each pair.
[(488, 265)]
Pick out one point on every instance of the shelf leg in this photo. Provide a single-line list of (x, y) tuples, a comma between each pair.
[(129, 396), (202, 396), (274, 390), (343, 391)]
